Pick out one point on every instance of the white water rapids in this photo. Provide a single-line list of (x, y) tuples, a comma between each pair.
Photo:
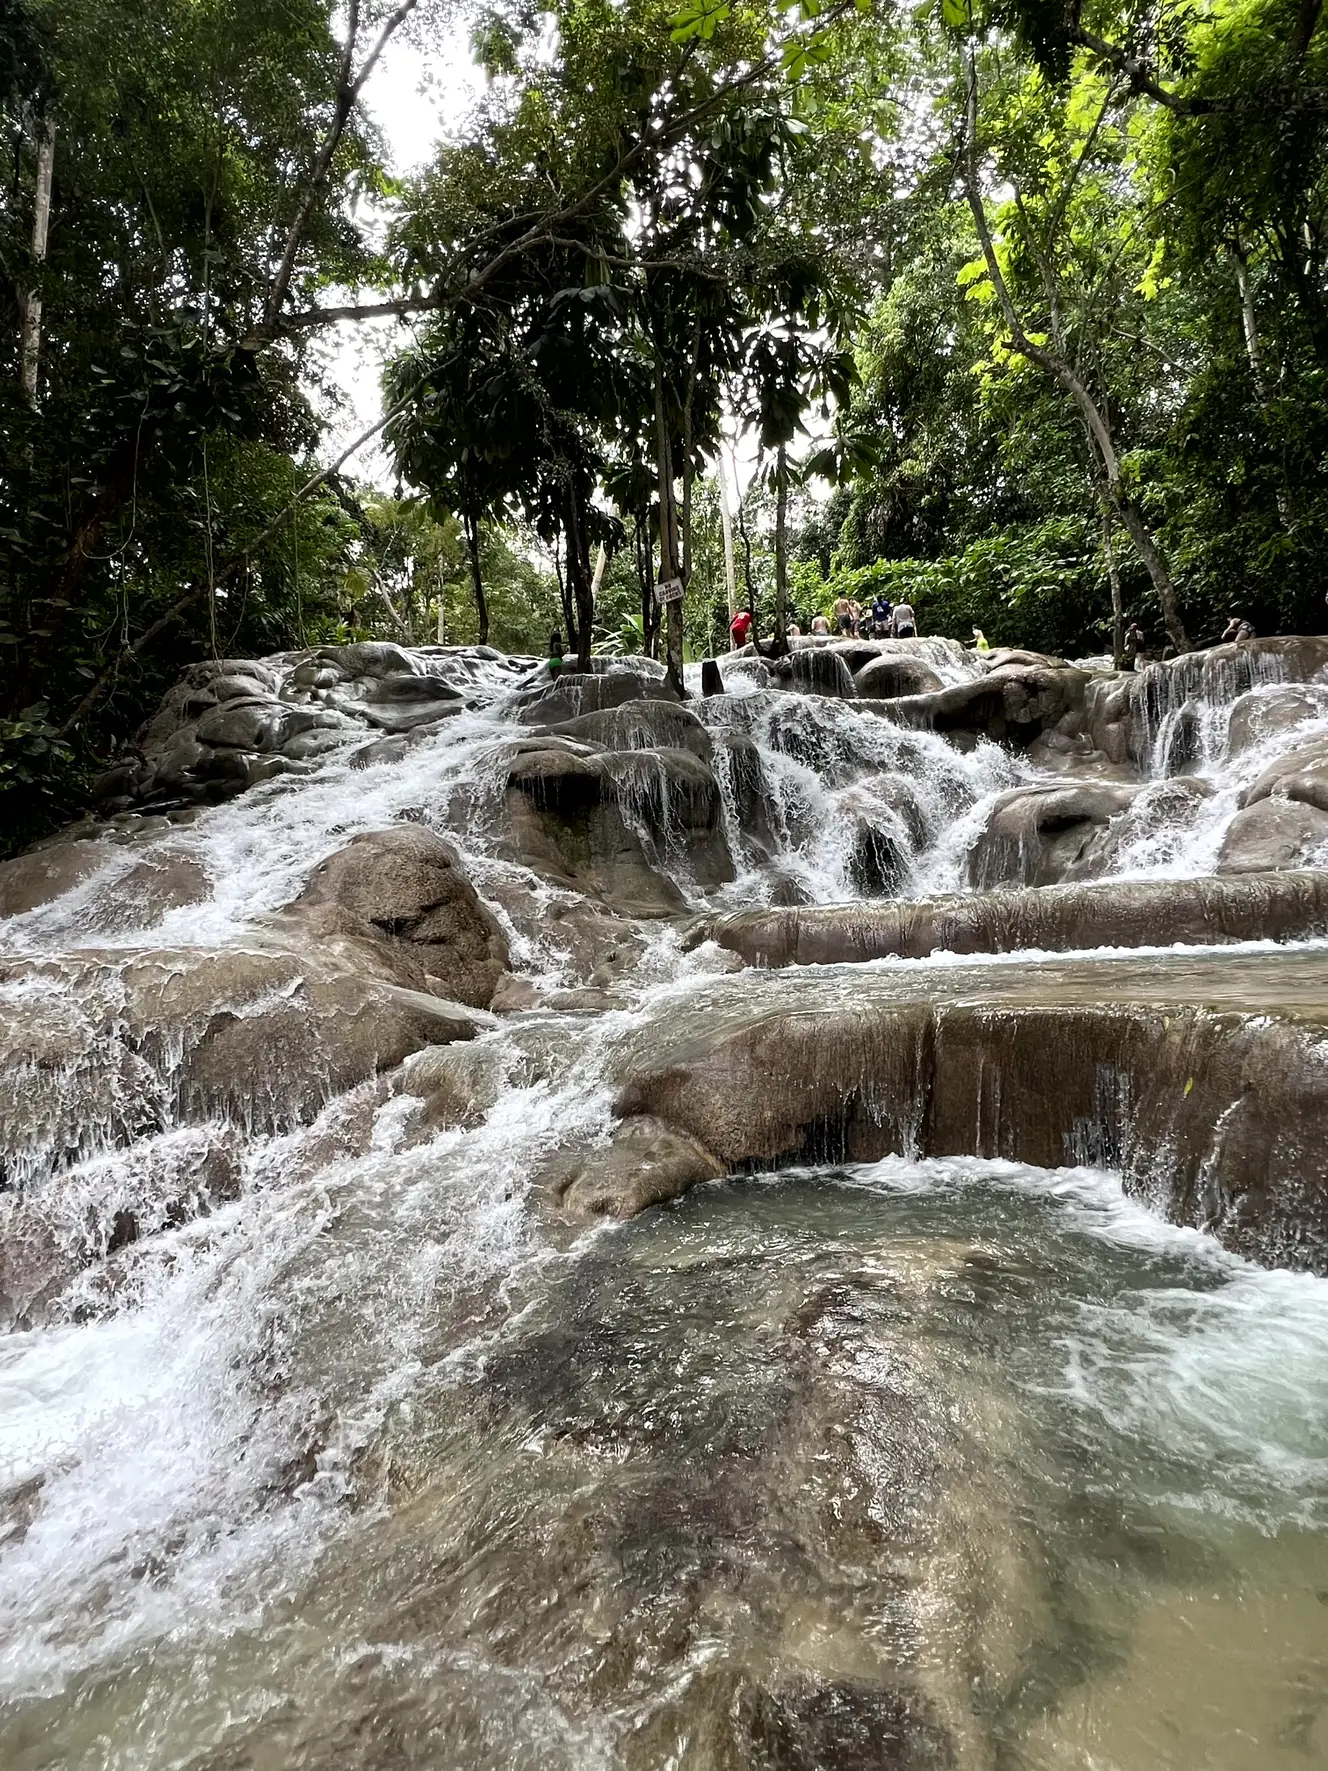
[(372, 1464)]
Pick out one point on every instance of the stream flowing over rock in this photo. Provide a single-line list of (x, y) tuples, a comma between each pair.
[(547, 1224)]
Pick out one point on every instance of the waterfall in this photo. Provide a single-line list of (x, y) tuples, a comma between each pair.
[(342, 1421)]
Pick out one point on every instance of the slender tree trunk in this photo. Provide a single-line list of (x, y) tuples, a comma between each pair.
[(1249, 325), (781, 552), (669, 564), (645, 575), (580, 577), (472, 527), (1066, 377), (565, 597), (30, 302), (1117, 603), (748, 579), (726, 526)]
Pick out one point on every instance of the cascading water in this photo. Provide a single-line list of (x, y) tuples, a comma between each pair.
[(328, 1441)]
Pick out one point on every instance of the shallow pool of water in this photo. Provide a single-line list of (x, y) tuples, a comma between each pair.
[(940, 1464)]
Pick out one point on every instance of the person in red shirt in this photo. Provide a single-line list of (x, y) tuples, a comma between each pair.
[(740, 628)]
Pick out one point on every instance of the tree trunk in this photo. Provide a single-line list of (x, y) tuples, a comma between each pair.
[(726, 526), (645, 574), (1063, 373), (580, 578), (781, 552), (472, 526), (669, 564), (1117, 604), (1249, 325), (30, 302)]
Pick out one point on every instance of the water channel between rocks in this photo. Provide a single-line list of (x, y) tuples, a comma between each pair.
[(333, 1439)]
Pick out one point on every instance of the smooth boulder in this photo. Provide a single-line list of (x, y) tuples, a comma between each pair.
[(622, 827), (645, 1163)]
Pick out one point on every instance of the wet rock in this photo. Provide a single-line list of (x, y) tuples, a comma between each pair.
[(402, 701), (1265, 714), (581, 940), (1274, 833), (52, 1234), (102, 1048), (879, 855), (367, 658), (1215, 1118), (817, 1725), (458, 1084), (382, 750), (244, 727), (738, 766), (1040, 835), (1221, 675), (1012, 704), (645, 1163), (1163, 913), (817, 672), (618, 826), (1002, 656), (610, 683), (889, 675), (407, 887), (1300, 774), (513, 994), (640, 725), (1078, 756), (48, 872)]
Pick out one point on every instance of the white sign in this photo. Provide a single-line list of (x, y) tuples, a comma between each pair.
[(669, 590)]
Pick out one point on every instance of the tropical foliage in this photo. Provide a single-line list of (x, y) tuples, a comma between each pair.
[(1019, 308)]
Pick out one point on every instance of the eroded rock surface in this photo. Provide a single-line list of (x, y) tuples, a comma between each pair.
[(1214, 1115), (1143, 913), (407, 887), (103, 1048), (607, 822), (645, 1163)]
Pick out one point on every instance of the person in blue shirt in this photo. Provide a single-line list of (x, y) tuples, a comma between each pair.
[(882, 609)]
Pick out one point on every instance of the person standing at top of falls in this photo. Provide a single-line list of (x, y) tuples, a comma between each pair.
[(740, 628), (882, 610), (843, 614), (820, 625), (980, 641), (903, 624), (1136, 646), (555, 653), (1238, 628)]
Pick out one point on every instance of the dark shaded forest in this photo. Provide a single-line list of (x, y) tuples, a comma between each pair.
[(1018, 310)]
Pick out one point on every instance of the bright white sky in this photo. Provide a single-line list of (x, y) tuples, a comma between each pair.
[(417, 95)]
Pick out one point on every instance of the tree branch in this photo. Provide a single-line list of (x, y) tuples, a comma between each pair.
[(348, 95)]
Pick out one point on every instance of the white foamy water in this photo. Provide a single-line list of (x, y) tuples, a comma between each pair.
[(251, 1458)]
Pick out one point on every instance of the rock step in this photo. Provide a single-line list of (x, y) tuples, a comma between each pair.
[(1213, 1116), (1049, 919)]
